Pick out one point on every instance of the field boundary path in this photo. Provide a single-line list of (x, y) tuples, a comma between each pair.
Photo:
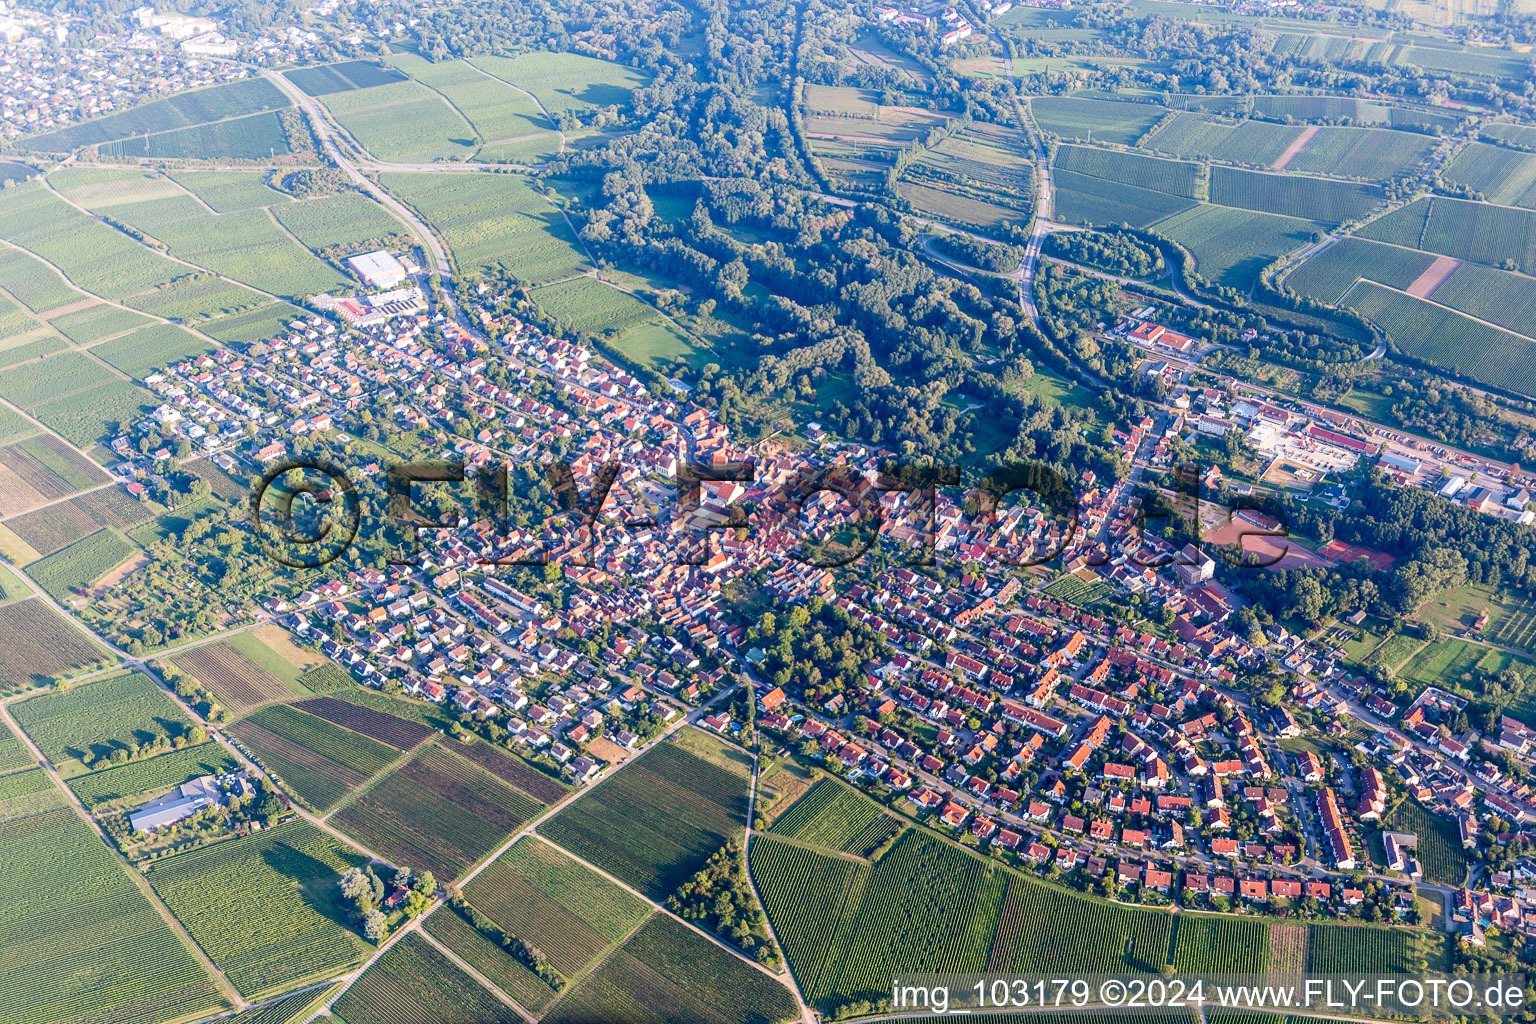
[(485, 982)]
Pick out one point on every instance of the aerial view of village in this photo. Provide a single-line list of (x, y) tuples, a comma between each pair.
[(628, 511)]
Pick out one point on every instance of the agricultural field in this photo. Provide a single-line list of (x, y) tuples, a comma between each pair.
[(265, 907), (13, 752), (352, 74), (50, 466), (386, 728), (201, 106), (1341, 948), (656, 822), (289, 1010), (318, 762), (33, 384), (493, 220), (837, 818), (1503, 176), (1396, 651), (196, 296), (667, 964), (801, 892), (587, 306), (1220, 945), (347, 220), (79, 940), (96, 718), (980, 176), (99, 413), (1444, 663), (76, 567), (151, 348), (507, 122), (1439, 852), (1083, 199), (239, 683), (437, 811), (1045, 929), (1319, 199), (1448, 339), (41, 646), (404, 122), (33, 283), (413, 983), (566, 81), (25, 793), (1231, 246), (1375, 154), (97, 322), (229, 191), (495, 962), (256, 325), (514, 772), (245, 245), (1199, 136), (1479, 232), (139, 780), (1331, 273), (253, 137), (1176, 177), (573, 915), (1085, 120), (1497, 296)]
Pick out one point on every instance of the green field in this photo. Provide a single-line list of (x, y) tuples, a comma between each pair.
[(498, 964), (151, 348), (404, 122), (493, 220), (667, 965), (196, 296), (507, 122), (567, 81), (1330, 273), (1375, 154), (1329, 202), (437, 811), (129, 783), (33, 384), (217, 103), (1498, 296), (245, 245), (257, 325), (96, 718), (1074, 590), (79, 940), (657, 821), (573, 915), (1448, 339), (347, 219), (1094, 120), (50, 466), (80, 564), (265, 907), (929, 907), (97, 322), (353, 74), (318, 762), (1176, 177), (253, 137), (1220, 945), (89, 253), (27, 793), (1468, 231), (1199, 136), (99, 413), (1231, 246), (228, 191), (13, 752), (33, 283), (836, 818), (1339, 948), (1503, 176), (1439, 852), (1444, 663), (1396, 651), (414, 983)]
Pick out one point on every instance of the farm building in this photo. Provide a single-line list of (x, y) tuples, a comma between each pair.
[(182, 802)]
